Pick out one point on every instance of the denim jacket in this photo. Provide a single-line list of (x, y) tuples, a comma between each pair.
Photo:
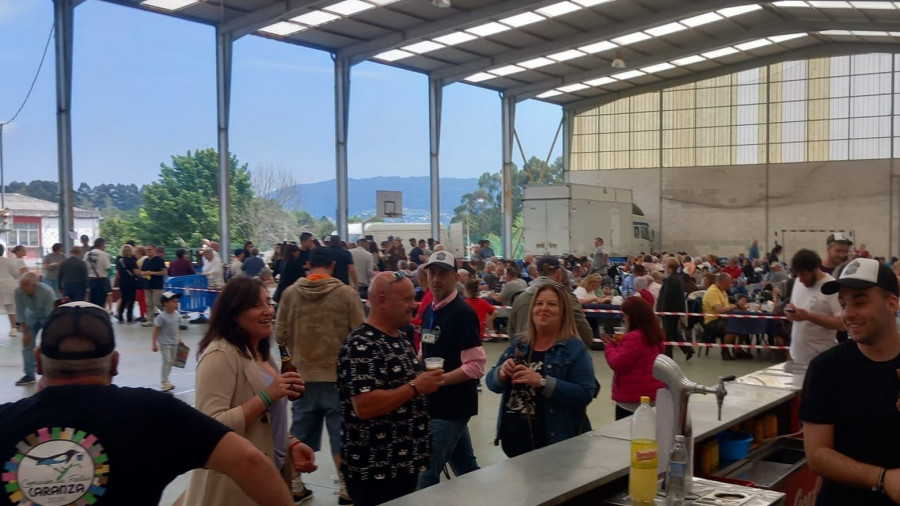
[(571, 386)]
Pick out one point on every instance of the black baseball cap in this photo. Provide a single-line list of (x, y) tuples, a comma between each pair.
[(838, 237), (863, 273), (78, 319), (546, 265)]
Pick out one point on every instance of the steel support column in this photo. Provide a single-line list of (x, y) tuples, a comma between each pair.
[(63, 24), (568, 128), (435, 105), (224, 43), (508, 120), (341, 120)]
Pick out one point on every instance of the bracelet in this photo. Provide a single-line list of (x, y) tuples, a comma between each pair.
[(267, 401), (414, 387), (295, 443), (879, 487)]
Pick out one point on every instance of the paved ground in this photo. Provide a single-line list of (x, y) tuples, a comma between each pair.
[(140, 367)]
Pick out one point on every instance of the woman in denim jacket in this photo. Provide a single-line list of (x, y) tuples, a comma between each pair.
[(546, 377)]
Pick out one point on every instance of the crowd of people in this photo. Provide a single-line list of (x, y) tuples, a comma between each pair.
[(389, 349)]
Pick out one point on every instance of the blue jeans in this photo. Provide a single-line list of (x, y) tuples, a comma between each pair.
[(30, 364), (52, 283), (320, 402), (98, 292), (452, 445)]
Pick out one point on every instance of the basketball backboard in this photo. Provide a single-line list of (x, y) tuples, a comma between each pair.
[(389, 204)]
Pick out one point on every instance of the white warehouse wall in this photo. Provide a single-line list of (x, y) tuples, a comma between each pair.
[(721, 209)]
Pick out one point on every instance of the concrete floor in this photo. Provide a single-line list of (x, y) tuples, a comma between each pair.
[(140, 367)]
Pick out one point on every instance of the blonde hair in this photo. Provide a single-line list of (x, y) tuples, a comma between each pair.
[(567, 315), (590, 278), (126, 251)]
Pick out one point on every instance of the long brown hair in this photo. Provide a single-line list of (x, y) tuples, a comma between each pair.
[(567, 314), (641, 317), (239, 294)]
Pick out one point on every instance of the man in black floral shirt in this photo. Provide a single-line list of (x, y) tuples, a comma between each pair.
[(385, 430)]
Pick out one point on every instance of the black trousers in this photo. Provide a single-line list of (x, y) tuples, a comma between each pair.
[(127, 295), (622, 412), (372, 492)]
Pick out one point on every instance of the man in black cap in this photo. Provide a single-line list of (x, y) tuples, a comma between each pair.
[(551, 271), (82, 440), (850, 405)]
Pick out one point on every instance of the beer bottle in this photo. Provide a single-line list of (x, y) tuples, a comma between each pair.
[(287, 365)]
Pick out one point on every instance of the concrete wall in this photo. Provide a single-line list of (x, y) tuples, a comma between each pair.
[(720, 210)]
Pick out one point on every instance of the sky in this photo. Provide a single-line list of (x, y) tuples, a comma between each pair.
[(144, 89)]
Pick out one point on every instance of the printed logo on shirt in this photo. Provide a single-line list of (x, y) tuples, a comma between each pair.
[(56, 466)]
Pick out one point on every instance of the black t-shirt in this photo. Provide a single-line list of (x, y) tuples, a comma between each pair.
[(846, 389), (126, 266), (394, 445), (104, 443), (524, 415), (304, 257), (457, 329), (415, 254), (342, 260), (154, 264)]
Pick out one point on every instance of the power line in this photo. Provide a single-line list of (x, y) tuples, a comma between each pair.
[(33, 81)]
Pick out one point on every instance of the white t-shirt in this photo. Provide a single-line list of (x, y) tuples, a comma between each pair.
[(807, 338), (364, 263), (581, 293)]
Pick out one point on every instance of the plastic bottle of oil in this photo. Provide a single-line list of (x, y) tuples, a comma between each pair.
[(642, 478)]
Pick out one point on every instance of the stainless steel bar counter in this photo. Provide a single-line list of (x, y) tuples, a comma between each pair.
[(564, 471)]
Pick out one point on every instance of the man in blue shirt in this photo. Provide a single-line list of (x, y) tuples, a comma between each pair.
[(753, 254), (34, 303), (486, 252)]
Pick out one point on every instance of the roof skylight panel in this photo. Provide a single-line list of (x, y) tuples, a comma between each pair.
[(702, 19), (536, 62), (874, 5), (660, 31), (526, 18), (868, 33), (481, 76), (282, 28), (659, 67), (315, 18), (548, 94), (393, 55), (789, 36), (598, 47), (730, 12), (507, 70), (631, 74), (836, 33), (425, 46), (689, 60), (600, 81), (558, 9), (719, 53), (566, 55), (591, 3), (452, 39), (631, 38), (753, 44), (488, 29), (829, 4), (573, 87), (349, 7), (169, 5), (791, 3)]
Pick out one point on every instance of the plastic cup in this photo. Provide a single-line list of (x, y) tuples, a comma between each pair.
[(432, 363), (618, 333)]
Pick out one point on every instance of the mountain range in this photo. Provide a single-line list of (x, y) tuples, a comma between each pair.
[(318, 199)]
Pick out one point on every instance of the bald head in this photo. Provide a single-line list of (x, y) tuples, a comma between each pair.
[(392, 301)]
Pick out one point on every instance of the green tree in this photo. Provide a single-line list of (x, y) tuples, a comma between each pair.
[(117, 231), (184, 202), (484, 205)]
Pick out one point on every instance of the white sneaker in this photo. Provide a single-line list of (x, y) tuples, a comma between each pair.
[(166, 386), (13, 332), (147, 323)]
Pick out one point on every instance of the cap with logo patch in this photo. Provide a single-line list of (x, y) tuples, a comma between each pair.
[(442, 259), (863, 273), (838, 237)]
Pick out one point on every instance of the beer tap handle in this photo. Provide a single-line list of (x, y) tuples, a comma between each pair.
[(721, 392)]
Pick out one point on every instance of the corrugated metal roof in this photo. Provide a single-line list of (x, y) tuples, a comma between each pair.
[(561, 51), (22, 204)]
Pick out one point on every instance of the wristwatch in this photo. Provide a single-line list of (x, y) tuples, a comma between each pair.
[(543, 382), (412, 383)]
